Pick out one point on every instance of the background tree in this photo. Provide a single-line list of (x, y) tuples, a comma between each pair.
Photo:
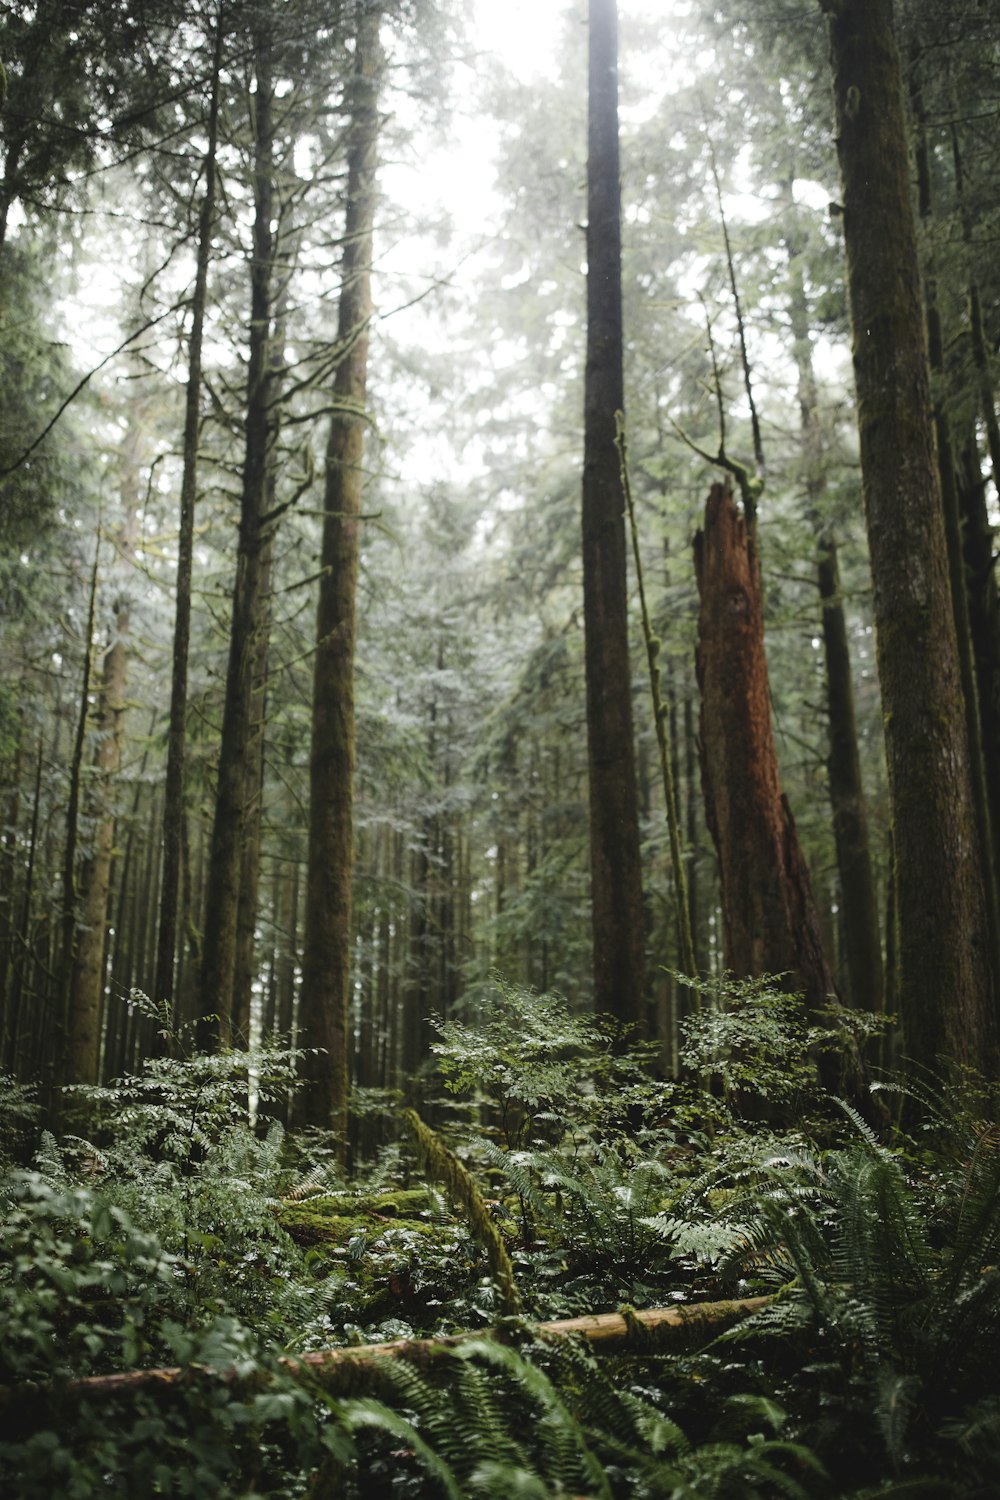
[(615, 872), (326, 956)]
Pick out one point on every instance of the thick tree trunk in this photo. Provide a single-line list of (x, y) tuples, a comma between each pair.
[(323, 1013), (977, 531), (770, 924), (615, 868), (858, 899), (238, 773), (173, 801), (946, 979)]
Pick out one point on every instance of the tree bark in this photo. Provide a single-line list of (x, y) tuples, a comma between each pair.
[(77, 1034), (87, 984), (769, 919), (173, 800), (858, 899), (238, 772), (324, 1002), (615, 868), (946, 978)]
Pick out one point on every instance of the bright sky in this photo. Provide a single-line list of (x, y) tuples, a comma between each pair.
[(457, 179)]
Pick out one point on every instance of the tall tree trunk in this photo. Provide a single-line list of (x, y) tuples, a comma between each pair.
[(327, 943), (858, 898), (238, 771), (946, 980), (977, 531), (173, 800), (14, 1038), (769, 919), (947, 463), (615, 868), (10, 839), (87, 984), (73, 1066)]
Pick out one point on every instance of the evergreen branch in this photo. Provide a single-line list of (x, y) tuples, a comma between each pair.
[(82, 384)]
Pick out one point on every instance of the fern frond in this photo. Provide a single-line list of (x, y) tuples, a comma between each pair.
[(568, 1451), (363, 1411)]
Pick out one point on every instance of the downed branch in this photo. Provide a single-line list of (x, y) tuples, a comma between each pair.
[(350, 1371)]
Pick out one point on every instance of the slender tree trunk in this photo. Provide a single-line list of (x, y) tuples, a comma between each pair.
[(87, 984), (173, 802), (10, 855), (89, 966), (238, 772), (946, 981), (22, 954), (327, 946), (770, 924), (615, 868), (75, 1066)]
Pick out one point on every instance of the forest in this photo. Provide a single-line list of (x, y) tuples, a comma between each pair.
[(499, 749)]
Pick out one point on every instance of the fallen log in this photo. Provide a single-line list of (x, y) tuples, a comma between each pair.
[(348, 1371)]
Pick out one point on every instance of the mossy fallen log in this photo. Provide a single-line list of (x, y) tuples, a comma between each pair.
[(352, 1370)]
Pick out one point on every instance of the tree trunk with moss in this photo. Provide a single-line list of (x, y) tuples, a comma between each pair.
[(946, 967), (769, 919), (615, 868), (326, 958)]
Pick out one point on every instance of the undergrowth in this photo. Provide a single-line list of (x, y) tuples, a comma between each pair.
[(175, 1229)]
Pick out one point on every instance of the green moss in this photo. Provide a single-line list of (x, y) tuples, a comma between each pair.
[(337, 1219)]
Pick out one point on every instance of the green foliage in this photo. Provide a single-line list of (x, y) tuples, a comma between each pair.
[(82, 1291), (874, 1365), (490, 1420), (174, 1149), (19, 1114), (752, 1041), (540, 1068)]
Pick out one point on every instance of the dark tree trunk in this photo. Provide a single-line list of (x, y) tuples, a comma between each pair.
[(239, 765), (770, 924), (984, 620), (324, 1004), (858, 899), (615, 868), (77, 1036), (948, 479), (173, 801), (87, 984), (15, 1030), (946, 979)]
